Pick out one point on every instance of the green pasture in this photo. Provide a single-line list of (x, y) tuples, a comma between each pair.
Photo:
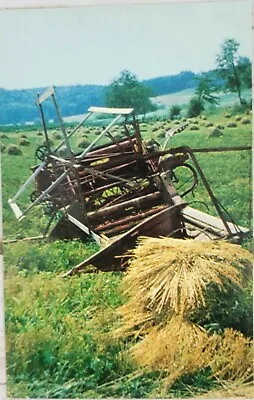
[(58, 330)]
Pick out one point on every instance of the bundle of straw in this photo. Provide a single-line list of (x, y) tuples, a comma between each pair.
[(166, 281)]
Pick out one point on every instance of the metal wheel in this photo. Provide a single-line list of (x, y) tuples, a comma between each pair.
[(41, 152)]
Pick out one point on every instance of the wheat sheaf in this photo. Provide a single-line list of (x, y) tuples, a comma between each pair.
[(173, 274), (166, 281)]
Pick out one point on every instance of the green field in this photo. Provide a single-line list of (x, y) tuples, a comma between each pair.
[(183, 97), (58, 330)]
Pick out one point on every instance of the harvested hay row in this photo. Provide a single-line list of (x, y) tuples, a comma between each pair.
[(167, 281)]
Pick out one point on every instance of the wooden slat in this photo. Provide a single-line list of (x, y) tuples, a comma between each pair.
[(26, 239), (105, 258), (106, 110), (132, 218), (136, 202), (15, 208), (45, 95), (205, 220), (84, 228)]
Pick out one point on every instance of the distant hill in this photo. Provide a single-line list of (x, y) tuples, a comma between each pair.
[(179, 98), (172, 83), (18, 106)]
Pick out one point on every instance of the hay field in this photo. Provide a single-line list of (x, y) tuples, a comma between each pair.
[(59, 332)]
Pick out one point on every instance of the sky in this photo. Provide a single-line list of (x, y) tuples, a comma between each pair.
[(91, 45)]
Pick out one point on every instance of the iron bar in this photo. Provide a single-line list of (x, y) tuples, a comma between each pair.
[(99, 137), (29, 180), (104, 174), (66, 140), (221, 149), (47, 191), (209, 191), (44, 124), (73, 131)]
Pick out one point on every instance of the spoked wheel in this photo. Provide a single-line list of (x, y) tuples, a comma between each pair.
[(41, 152)]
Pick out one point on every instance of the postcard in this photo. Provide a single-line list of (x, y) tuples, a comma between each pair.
[(125, 136)]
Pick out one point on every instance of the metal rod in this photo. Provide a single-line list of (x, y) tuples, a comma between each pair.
[(73, 131), (41, 237), (137, 134), (107, 175), (44, 124), (209, 190), (81, 197), (64, 161), (101, 188), (119, 228), (99, 137), (66, 140), (185, 149), (111, 137), (105, 150), (219, 149), (47, 191), (30, 179)]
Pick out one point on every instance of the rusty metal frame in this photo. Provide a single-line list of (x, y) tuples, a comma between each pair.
[(233, 228), (122, 188), (73, 161)]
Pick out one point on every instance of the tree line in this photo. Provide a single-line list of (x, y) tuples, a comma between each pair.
[(18, 106), (233, 73)]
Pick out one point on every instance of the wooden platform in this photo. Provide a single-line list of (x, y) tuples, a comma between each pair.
[(209, 224), (114, 111)]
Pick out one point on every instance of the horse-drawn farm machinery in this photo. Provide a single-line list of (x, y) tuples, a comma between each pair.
[(120, 187)]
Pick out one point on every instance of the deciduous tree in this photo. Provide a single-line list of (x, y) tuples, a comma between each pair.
[(127, 91), (234, 69), (195, 107), (206, 90), (175, 111)]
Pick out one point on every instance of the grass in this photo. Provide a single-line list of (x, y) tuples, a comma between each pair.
[(58, 331), (32, 257), (229, 174), (50, 336)]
